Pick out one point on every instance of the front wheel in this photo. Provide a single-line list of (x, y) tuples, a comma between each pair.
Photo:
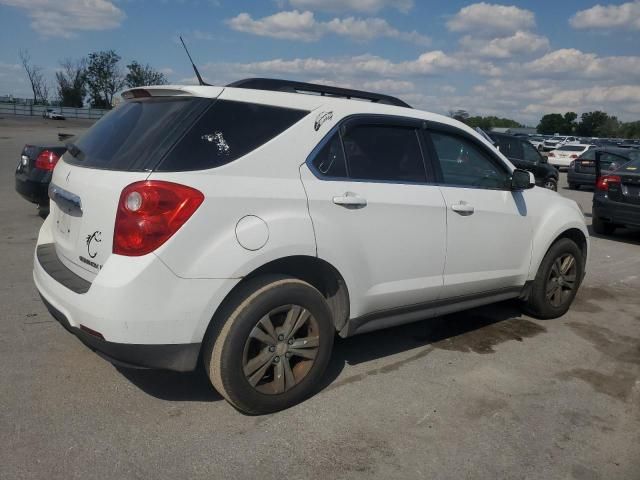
[(273, 347), (557, 280), (551, 184)]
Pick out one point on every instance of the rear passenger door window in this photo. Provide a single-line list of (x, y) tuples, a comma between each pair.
[(384, 153), (462, 163), (330, 160)]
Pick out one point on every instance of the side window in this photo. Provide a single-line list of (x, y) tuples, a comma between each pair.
[(463, 163), (511, 147), (531, 155), (330, 159), (588, 155), (380, 152), (226, 131), (609, 161)]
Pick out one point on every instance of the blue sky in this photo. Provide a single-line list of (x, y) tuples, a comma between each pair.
[(517, 59)]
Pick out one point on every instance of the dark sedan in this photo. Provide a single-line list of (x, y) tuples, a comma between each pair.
[(582, 171), (616, 201), (33, 173)]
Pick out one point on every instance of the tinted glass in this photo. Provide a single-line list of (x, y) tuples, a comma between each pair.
[(384, 153), (609, 161), (572, 148), (531, 155), (137, 134), (510, 147), (588, 155), (466, 164), (330, 159), (631, 167), (227, 131)]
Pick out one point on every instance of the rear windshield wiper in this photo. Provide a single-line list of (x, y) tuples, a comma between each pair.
[(74, 151)]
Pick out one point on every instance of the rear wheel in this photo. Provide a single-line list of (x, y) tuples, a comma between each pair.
[(557, 280), (601, 227), (273, 346)]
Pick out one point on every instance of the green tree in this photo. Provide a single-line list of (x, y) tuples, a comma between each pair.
[(140, 75), (487, 123), (630, 129), (72, 82), (570, 120), (594, 124), (104, 77), (552, 123)]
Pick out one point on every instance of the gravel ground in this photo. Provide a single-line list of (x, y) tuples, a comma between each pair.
[(488, 393)]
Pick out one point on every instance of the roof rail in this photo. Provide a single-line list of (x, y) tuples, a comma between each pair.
[(313, 88)]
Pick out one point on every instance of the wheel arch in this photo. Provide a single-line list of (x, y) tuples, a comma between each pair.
[(573, 233), (313, 270)]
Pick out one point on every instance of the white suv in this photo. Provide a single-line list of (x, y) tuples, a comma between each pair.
[(245, 226)]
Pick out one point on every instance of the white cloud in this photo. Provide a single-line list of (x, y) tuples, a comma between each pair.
[(291, 25), (65, 18), (491, 19), (302, 26), (431, 63), (626, 15), (366, 6), (568, 63), (520, 43)]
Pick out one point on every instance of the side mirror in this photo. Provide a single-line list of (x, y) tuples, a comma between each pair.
[(522, 180)]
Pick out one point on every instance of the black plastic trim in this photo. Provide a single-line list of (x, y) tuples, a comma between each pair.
[(48, 259), (182, 357), (420, 311), (277, 85)]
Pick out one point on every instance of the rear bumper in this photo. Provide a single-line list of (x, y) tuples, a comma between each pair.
[(176, 357), (580, 178), (31, 190), (146, 315), (616, 212)]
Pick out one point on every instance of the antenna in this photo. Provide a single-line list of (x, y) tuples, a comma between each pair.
[(195, 69)]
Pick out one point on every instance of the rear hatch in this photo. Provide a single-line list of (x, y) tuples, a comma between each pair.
[(122, 148), (628, 190)]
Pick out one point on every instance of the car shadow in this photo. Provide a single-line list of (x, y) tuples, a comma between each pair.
[(477, 330), (621, 234)]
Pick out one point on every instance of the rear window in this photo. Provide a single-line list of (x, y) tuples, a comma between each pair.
[(572, 148), (631, 167), (177, 134), (136, 134), (227, 131)]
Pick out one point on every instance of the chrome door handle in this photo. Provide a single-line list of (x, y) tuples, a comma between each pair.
[(463, 208), (350, 200)]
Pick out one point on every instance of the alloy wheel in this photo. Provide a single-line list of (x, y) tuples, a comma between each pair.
[(281, 349), (562, 280)]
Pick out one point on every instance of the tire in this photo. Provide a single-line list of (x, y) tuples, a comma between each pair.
[(241, 340), (601, 227), (43, 211), (539, 303), (551, 184), (574, 186)]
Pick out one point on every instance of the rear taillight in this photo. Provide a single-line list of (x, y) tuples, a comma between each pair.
[(551, 154), (47, 160), (606, 180), (574, 156), (149, 213)]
